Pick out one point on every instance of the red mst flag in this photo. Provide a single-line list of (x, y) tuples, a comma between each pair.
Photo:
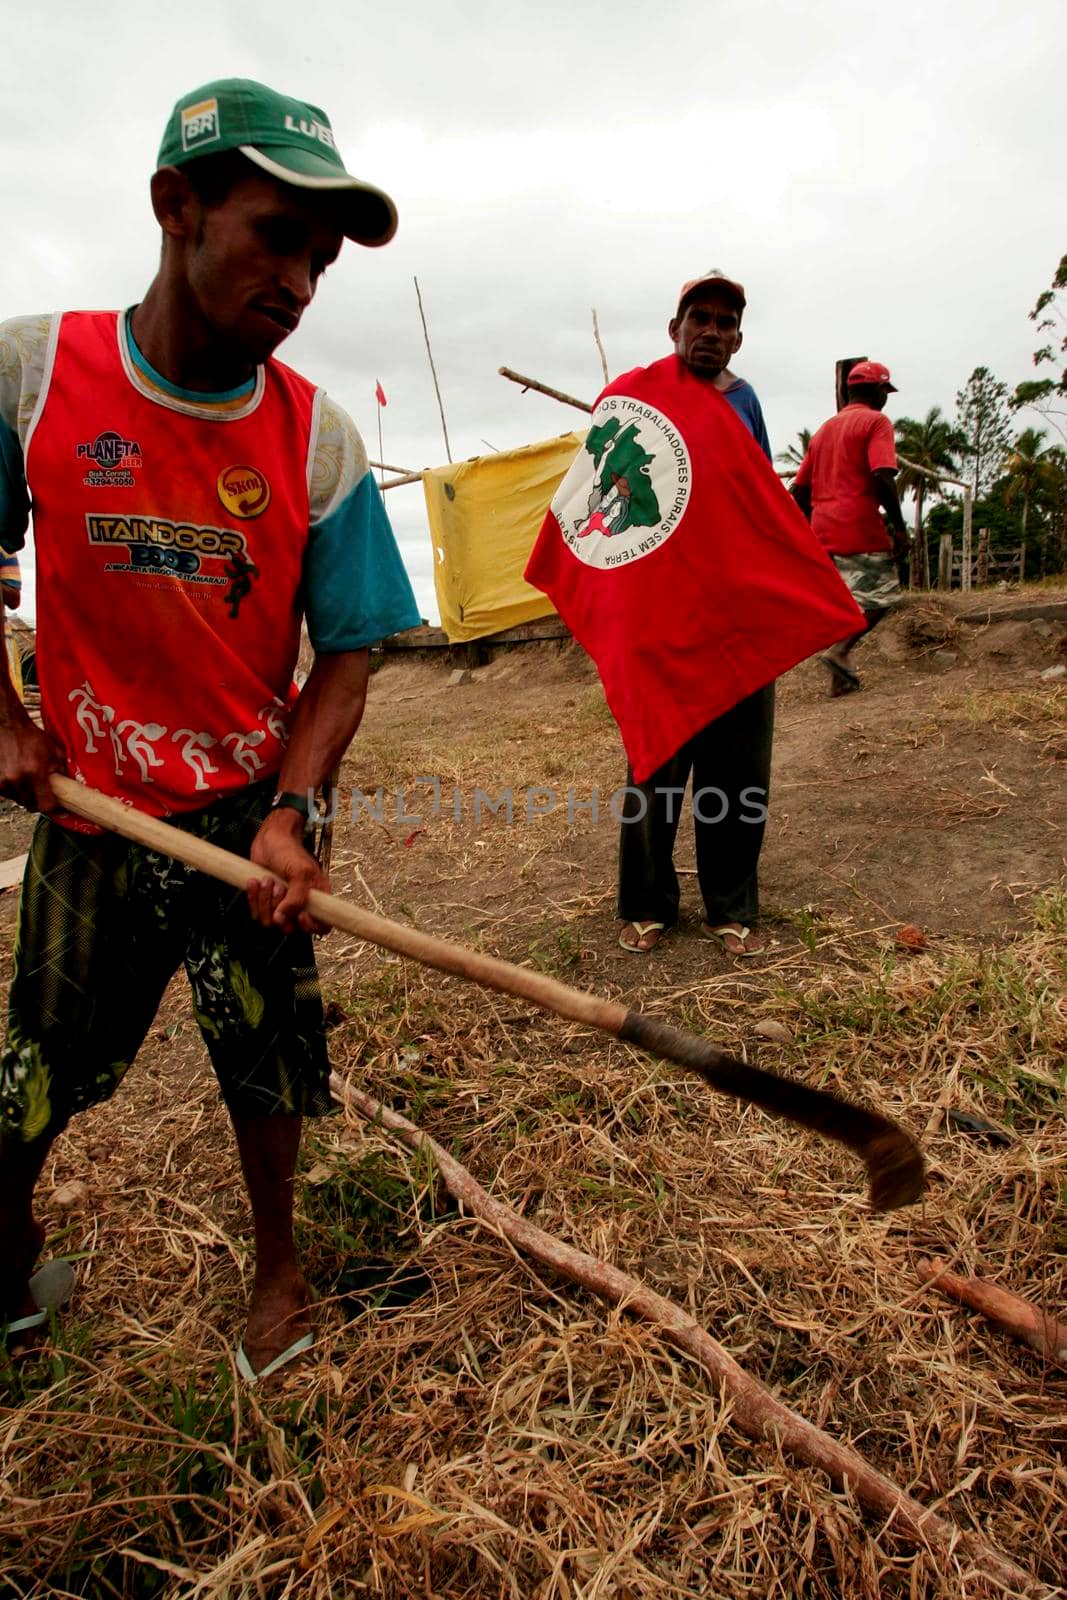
[(676, 558), (379, 394)]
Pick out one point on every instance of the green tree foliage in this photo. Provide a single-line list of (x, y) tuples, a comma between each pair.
[(983, 418), (930, 445), (791, 457), (1048, 394), (1032, 473), (1044, 537)]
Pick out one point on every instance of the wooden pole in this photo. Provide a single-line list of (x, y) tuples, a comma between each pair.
[(542, 388), (968, 522), (842, 369), (944, 562), (757, 1411), (408, 477), (893, 1160), (385, 466), (1019, 1317), (600, 347), (433, 370), (982, 575)]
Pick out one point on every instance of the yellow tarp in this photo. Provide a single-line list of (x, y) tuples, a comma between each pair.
[(484, 517)]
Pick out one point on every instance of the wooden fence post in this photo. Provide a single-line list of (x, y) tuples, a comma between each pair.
[(944, 562), (968, 523), (982, 575), (842, 369)]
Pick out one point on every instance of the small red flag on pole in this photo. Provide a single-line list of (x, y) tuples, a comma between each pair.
[(379, 395)]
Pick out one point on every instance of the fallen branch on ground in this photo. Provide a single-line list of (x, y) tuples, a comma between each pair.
[(756, 1411), (1019, 1317)]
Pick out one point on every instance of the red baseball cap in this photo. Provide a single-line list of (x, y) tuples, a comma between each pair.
[(715, 279), (871, 372)]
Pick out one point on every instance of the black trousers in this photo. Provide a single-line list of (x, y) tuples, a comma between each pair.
[(730, 763)]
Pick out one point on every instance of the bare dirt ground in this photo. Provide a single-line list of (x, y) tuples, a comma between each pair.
[(506, 1435), (935, 796)]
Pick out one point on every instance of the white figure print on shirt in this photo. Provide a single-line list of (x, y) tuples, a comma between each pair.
[(139, 744), (194, 754), (86, 716), (275, 717), (117, 748), (244, 750)]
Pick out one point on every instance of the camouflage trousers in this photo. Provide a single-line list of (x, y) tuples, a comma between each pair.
[(103, 926), (872, 579)]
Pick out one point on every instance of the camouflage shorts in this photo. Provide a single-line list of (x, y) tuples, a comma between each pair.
[(103, 926), (871, 578)]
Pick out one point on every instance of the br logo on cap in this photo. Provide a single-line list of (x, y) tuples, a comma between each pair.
[(244, 491), (200, 124)]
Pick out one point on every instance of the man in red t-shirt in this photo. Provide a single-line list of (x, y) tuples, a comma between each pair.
[(845, 482)]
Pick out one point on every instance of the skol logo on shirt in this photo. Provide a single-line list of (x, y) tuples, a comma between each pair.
[(200, 124), (244, 491)]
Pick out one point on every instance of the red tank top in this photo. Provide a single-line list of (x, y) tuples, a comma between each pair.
[(169, 557)]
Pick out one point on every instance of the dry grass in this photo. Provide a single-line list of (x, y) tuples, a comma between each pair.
[(506, 1437), (930, 626)]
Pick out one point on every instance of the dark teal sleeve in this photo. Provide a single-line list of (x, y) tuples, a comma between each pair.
[(14, 496), (356, 590)]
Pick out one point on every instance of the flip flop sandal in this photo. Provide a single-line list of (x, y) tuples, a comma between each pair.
[(51, 1287), (641, 929), (725, 931), (298, 1347)]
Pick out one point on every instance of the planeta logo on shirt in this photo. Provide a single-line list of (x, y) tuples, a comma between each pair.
[(244, 491), (113, 460), (627, 490)]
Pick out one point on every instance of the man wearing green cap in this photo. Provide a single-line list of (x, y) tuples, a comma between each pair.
[(193, 500)]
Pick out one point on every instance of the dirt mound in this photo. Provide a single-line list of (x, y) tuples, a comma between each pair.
[(929, 625), (1015, 642), (552, 661)]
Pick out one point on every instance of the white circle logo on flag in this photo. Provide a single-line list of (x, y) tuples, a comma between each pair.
[(628, 486)]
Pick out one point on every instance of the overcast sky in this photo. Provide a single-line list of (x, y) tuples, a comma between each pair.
[(885, 181)]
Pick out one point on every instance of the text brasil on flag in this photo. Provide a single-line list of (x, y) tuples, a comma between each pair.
[(677, 559)]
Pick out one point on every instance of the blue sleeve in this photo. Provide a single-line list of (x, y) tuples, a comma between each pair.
[(356, 590), (14, 496), (746, 404), (759, 428)]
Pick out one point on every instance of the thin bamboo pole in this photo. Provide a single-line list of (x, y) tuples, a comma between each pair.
[(433, 371), (543, 388), (600, 347)]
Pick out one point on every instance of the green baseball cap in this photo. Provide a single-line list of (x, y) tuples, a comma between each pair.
[(289, 139)]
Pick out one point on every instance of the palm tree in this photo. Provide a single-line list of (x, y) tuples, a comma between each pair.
[(929, 446), (1029, 468), (791, 457)]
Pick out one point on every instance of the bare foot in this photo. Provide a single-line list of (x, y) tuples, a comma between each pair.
[(278, 1314)]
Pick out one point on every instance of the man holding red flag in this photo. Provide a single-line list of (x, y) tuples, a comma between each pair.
[(679, 562)]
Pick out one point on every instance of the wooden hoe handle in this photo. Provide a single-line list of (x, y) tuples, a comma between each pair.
[(893, 1160)]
